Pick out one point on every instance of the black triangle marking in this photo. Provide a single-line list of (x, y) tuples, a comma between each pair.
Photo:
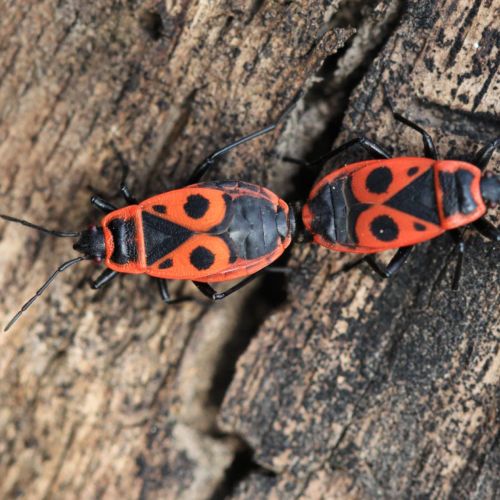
[(418, 198), (161, 236)]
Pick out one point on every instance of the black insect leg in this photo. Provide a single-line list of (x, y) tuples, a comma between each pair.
[(102, 204), (351, 265), (165, 296), (104, 278), (163, 287), (297, 161), (392, 268), (277, 269), (484, 155), (394, 265), (124, 189), (370, 260), (429, 147), (460, 248), (209, 162), (487, 229), (212, 294), (372, 147)]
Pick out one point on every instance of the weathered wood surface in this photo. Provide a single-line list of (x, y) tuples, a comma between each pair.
[(363, 388), (356, 388)]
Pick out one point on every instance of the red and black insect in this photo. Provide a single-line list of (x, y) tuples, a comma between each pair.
[(204, 232), (395, 203)]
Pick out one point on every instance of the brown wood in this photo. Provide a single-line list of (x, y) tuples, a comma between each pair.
[(354, 388)]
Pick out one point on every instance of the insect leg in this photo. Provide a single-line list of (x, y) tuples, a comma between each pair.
[(209, 161), (394, 265), (351, 265), (369, 145), (104, 278), (370, 260), (460, 247), (102, 204), (278, 269), (297, 161), (429, 147), (374, 148), (124, 189), (484, 155), (163, 287), (211, 293), (165, 296), (487, 229)]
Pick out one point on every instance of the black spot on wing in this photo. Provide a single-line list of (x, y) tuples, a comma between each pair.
[(196, 206), (202, 258), (419, 227), (379, 180), (412, 171), (384, 228), (166, 264), (161, 209)]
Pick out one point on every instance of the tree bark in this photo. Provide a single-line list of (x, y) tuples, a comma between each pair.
[(354, 387)]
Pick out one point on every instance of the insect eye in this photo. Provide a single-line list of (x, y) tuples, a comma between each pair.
[(92, 228), (98, 260)]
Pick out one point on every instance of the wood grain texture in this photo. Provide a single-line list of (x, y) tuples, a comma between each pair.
[(110, 394), (363, 388)]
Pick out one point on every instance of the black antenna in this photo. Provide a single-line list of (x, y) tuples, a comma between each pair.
[(26, 306), (60, 234)]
